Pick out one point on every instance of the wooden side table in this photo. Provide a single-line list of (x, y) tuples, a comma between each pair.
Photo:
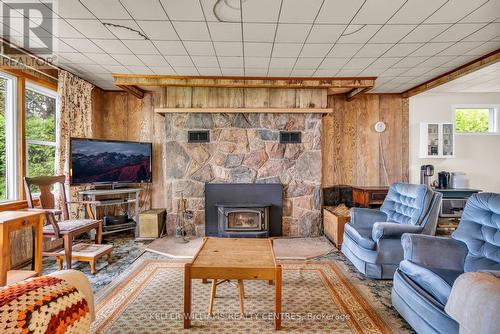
[(12, 221), (368, 196)]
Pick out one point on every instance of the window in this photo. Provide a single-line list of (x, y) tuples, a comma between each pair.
[(41, 106), (475, 120), (8, 156)]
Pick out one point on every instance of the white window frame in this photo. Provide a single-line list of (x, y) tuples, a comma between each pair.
[(493, 126), (50, 93), (12, 172)]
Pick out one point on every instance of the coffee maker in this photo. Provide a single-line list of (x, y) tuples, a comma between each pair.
[(426, 172), (443, 180)]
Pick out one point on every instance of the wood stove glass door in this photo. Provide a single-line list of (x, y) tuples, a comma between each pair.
[(244, 220)]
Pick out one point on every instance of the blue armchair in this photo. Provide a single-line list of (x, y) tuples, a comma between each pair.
[(372, 240), (424, 279)]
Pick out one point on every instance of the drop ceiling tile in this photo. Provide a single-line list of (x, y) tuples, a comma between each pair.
[(256, 62), (457, 32), (358, 63), (345, 50), (233, 71), (348, 72), (415, 11), (373, 12), (173, 48), (392, 33), (72, 9), (279, 72), (95, 69), (112, 46), (205, 61), (297, 72), (281, 63), (229, 49), (259, 32), (358, 33), (490, 31), (207, 7), (145, 9), (485, 48), (325, 33), (75, 58), (292, 33), (286, 50), (430, 49), (436, 61), (453, 11), (187, 71), (402, 49), (257, 49), (486, 13), (326, 72), (128, 60), (125, 29), (417, 71), (225, 32), (385, 62), (409, 62), (299, 11), (315, 50), (116, 68), (231, 62), (137, 69), (82, 45), (179, 61), (252, 11), (200, 48), (65, 30), (329, 63), (183, 10), (141, 47), (372, 72), (425, 33), (256, 72), (102, 58), (109, 9), (338, 12), (460, 48), (153, 60), (373, 50), (210, 71), (308, 63), (158, 30), (192, 31), (63, 47), (391, 72), (163, 70)]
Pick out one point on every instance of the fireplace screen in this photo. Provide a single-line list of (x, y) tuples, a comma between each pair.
[(244, 220)]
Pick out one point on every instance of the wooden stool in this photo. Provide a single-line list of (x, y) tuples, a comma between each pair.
[(214, 290), (88, 253)]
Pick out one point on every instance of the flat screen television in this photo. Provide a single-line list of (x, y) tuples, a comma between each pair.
[(96, 161)]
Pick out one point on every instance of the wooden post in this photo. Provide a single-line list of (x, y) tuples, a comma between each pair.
[(187, 296), (277, 287)]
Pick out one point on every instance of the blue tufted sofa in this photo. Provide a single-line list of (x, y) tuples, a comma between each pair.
[(372, 240), (424, 279)]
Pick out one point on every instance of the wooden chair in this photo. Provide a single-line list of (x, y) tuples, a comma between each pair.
[(58, 223)]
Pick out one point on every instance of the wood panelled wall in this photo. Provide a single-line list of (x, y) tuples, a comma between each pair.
[(354, 153)]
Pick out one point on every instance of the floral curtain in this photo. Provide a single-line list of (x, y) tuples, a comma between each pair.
[(74, 118)]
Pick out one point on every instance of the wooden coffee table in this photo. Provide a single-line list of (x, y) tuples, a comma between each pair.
[(234, 259)]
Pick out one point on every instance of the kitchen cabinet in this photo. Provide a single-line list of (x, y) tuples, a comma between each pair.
[(437, 140)]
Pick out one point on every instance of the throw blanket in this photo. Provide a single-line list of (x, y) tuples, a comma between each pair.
[(43, 305)]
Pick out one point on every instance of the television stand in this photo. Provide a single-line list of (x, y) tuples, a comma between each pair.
[(101, 198)]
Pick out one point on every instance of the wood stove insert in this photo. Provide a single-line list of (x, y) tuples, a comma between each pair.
[(249, 220)]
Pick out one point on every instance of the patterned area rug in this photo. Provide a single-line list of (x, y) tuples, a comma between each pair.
[(317, 298)]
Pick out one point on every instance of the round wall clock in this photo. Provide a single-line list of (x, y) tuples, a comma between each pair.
[(380, 126)]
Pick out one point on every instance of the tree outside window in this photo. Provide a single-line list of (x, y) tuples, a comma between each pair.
[(474, 120)]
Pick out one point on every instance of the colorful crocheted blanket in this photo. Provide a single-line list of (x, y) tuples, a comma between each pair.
[(43, 305)]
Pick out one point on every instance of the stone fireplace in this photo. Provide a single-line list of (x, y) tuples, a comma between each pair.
[(244, 148)]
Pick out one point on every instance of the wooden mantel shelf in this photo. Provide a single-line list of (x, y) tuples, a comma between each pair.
[(245, 110)]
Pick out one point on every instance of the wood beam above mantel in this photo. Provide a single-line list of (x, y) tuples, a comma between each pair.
[(242, 82), (245, 110)]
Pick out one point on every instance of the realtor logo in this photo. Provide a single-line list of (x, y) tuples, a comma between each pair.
[(29, 25)]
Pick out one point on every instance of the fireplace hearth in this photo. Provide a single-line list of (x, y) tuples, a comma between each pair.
[(240, 221), (252, 210)]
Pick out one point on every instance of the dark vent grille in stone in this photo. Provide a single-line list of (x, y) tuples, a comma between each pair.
[(287, 137), (198, 136)]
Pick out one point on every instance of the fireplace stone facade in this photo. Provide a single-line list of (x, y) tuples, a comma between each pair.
[(245, 148)]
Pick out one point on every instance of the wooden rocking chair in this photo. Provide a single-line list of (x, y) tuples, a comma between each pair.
[(58, 223)]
